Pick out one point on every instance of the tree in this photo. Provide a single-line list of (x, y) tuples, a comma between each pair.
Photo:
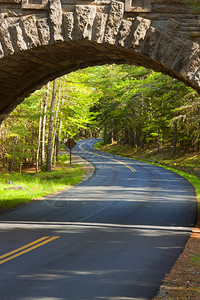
[(131, 105), (50, 137), (46, 98), (39, 138)]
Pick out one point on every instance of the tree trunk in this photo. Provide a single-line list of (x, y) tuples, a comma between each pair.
[(20, 167), (59, 133), (54, 144), (105, 134), (49, 148), (158, 141), (39, 138), (175, 138), (11, 164), (44, 126), (132, 137), (111, 133), (3, 159)]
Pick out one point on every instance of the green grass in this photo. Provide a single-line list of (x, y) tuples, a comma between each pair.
[(196, 260), (39, 184)]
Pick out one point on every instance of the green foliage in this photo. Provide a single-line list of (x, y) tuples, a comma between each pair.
[(194, 4), (141, 107), (127, 104), (21, 125), (78, 98), (196, 259)]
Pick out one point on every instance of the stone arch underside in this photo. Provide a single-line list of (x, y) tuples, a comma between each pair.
[(37, 48)]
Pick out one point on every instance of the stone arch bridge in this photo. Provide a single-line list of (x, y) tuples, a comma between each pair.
[(43, 39)]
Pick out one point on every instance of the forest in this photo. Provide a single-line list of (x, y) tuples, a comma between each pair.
[(118, 103)]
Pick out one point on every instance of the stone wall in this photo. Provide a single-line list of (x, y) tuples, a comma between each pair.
[(158, 11), (40, 40)]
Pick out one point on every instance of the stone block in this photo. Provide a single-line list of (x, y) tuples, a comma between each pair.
[(17, 37), (55, 16), (140, 29), (114, 21), (161, 48), (30, 31), (10, 1), (192, 67), (196, 78), (171, 28), (84, 19), (68, 25), (125, 33), (5, 36), (1, 51), (150, 41), (44, 31), (185, 55), (165, 39), (99, 27), (173, 51)]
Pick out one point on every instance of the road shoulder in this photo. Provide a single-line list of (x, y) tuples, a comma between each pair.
[(183, 281)]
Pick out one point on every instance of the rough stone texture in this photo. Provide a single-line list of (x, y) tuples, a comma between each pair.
[(38, 44), (165, 39), (17, 37), (44, 31), (5, 36), (124, 33), (15, 187), (174, 48), (185, 56), (1, 51), (99, 27), (196, 77), (55, 15), (30, 31), (139, 31), (68, 25), (192, 66), (9, 182), (113, 23), (150, 41), (10, 1), (84, 16)]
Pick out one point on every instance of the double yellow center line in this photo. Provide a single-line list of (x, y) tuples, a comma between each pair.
[(26, 248), (109, 158)]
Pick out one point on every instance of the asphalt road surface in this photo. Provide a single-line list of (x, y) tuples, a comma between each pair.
[(113, 237)]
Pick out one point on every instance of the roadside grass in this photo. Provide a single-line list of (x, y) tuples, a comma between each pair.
[(196, 260), (39, 184)]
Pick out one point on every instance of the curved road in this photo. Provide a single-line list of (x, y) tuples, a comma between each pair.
[(112, 237)]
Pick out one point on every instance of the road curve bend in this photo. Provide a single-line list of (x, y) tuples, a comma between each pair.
[(112, 237)]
